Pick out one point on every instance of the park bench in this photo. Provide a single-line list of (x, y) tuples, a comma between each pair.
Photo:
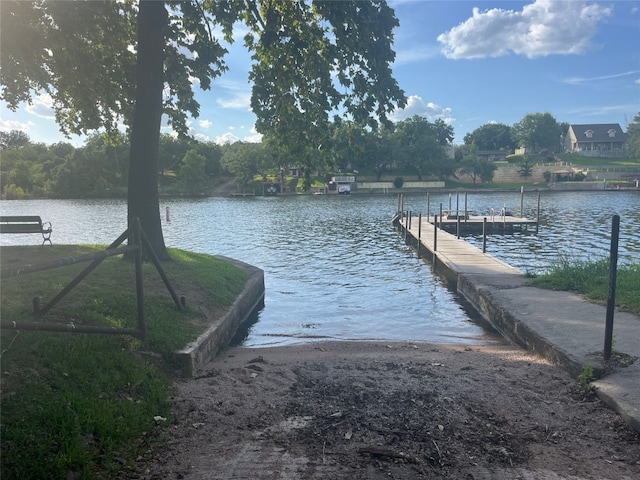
[(26, 224)]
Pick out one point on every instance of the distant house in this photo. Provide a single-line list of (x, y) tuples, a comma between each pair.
[(596, 140), (493, 155)]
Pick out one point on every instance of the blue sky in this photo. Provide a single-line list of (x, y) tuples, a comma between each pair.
[(466, 62)]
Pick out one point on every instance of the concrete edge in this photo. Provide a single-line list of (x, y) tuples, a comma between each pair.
[(615, 391), (513, 329), (221, 331)]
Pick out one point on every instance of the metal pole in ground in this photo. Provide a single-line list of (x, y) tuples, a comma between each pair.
[(440, 214), (611, 298), (458, 226), (484, 235), (522, 201)]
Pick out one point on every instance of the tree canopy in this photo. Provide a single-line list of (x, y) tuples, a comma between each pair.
[(491, 136), (538, 131), (418, 144), (98, 61)]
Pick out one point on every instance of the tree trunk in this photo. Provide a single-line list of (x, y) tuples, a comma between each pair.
[(142, 196)]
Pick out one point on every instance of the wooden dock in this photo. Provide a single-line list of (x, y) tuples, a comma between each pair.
[(444, 249)]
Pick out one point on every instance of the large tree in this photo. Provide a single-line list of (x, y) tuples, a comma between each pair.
[(418, 144), (491, 136), (106, 63), (538, 131)]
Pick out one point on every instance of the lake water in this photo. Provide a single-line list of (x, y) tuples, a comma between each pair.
[(335, 268)]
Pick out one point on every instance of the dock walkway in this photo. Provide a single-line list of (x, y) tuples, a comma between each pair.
[(560, 326)]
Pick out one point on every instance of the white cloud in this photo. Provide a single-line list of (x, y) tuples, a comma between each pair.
[(42, 107), (201, 137), (606, 111), (205, 123), (236, 101), (8, 125), (226, 139), (417, 106), (255, 137), (544, 27), (417, 54), (580, 80), (236, 94)]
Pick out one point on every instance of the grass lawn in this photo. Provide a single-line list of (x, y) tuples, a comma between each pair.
[(78, 405)]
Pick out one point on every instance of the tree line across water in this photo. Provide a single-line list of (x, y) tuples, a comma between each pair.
[(415, 146)]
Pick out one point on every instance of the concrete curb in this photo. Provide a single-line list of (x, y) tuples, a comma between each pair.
[(480, 297), (620, 391), (222, 330)]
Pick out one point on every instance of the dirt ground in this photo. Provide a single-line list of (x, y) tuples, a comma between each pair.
[(393, 411)]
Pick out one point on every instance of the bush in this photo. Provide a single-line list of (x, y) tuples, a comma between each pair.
[(13, 192), (398, 182)]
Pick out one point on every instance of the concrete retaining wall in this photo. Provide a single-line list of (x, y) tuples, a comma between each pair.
[(480, 295), (222, 330)]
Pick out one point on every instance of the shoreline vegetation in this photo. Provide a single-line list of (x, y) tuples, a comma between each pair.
[(80, 405), (591, 279), (589, 172)]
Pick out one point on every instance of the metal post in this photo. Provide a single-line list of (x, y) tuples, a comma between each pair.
[(465, 207), (440, 214), (538, 215), (611, 298), (484, 235), (458, 226), (428, 207), (522, 201), (504, 217), (419, 231), (435, 236), (457, 203)]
